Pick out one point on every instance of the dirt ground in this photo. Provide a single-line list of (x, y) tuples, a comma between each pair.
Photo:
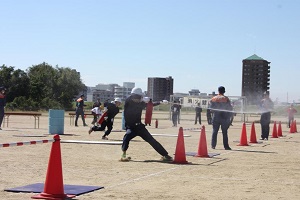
[(267, 170)]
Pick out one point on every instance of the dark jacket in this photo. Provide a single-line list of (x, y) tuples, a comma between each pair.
[(198, 110), (133, 111), (112, 111), (175, 108), (2, 100)]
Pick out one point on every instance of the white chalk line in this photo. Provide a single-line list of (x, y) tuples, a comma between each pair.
[(143, 177)]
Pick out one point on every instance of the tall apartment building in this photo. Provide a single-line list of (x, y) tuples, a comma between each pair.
[(255, 78), (160, 88)]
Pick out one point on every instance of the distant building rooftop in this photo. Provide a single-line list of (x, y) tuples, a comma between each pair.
[(254, 57)]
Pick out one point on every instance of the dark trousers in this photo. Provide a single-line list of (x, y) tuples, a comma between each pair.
[(109, 124), (140, 130), (174, 119), (224, 127), (79, 111), (198, 116), (1, 115), (265, 120), (291, 119)]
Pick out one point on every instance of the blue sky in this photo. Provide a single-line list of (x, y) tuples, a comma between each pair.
[(200, 43)]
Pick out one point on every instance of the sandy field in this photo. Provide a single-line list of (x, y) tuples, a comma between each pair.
[(267, 170)]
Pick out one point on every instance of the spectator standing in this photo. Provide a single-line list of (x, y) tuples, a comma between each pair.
[(265, 118), (2, 104), (221, 108), (175, 111), (149, 111), (198, 110), (80, 110)]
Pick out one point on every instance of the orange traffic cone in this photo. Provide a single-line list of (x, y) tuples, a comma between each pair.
[(180, 157), (274, 134), (202, 148), (54, 188), (292, 127), (243, 140), (156, 123), (279, 131), (295, 126), (253, 134)]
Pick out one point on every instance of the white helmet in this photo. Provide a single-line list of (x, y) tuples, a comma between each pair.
[(118, 100), (137, 91)]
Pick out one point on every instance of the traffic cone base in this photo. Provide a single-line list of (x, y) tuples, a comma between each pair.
[(53, 197)]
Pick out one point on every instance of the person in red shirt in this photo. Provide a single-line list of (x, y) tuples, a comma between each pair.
[(149, 110), (291, 113), (148, 115)]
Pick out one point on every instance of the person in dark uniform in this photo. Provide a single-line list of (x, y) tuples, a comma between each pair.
[(132, 113), (112, 111), (198, 110), (175, 109), (79, 110), (2, 104), (265, 118), (220, 105)]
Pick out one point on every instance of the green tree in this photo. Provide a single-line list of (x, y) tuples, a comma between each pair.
[(57, 85), (16, 81), (68, 85), (42, 79), (5, 75), (41, 87)]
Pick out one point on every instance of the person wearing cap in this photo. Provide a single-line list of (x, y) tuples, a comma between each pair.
[(112, 111), (134, 105), (2, 104), (265, 118), (221, 107), (79, 110)]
